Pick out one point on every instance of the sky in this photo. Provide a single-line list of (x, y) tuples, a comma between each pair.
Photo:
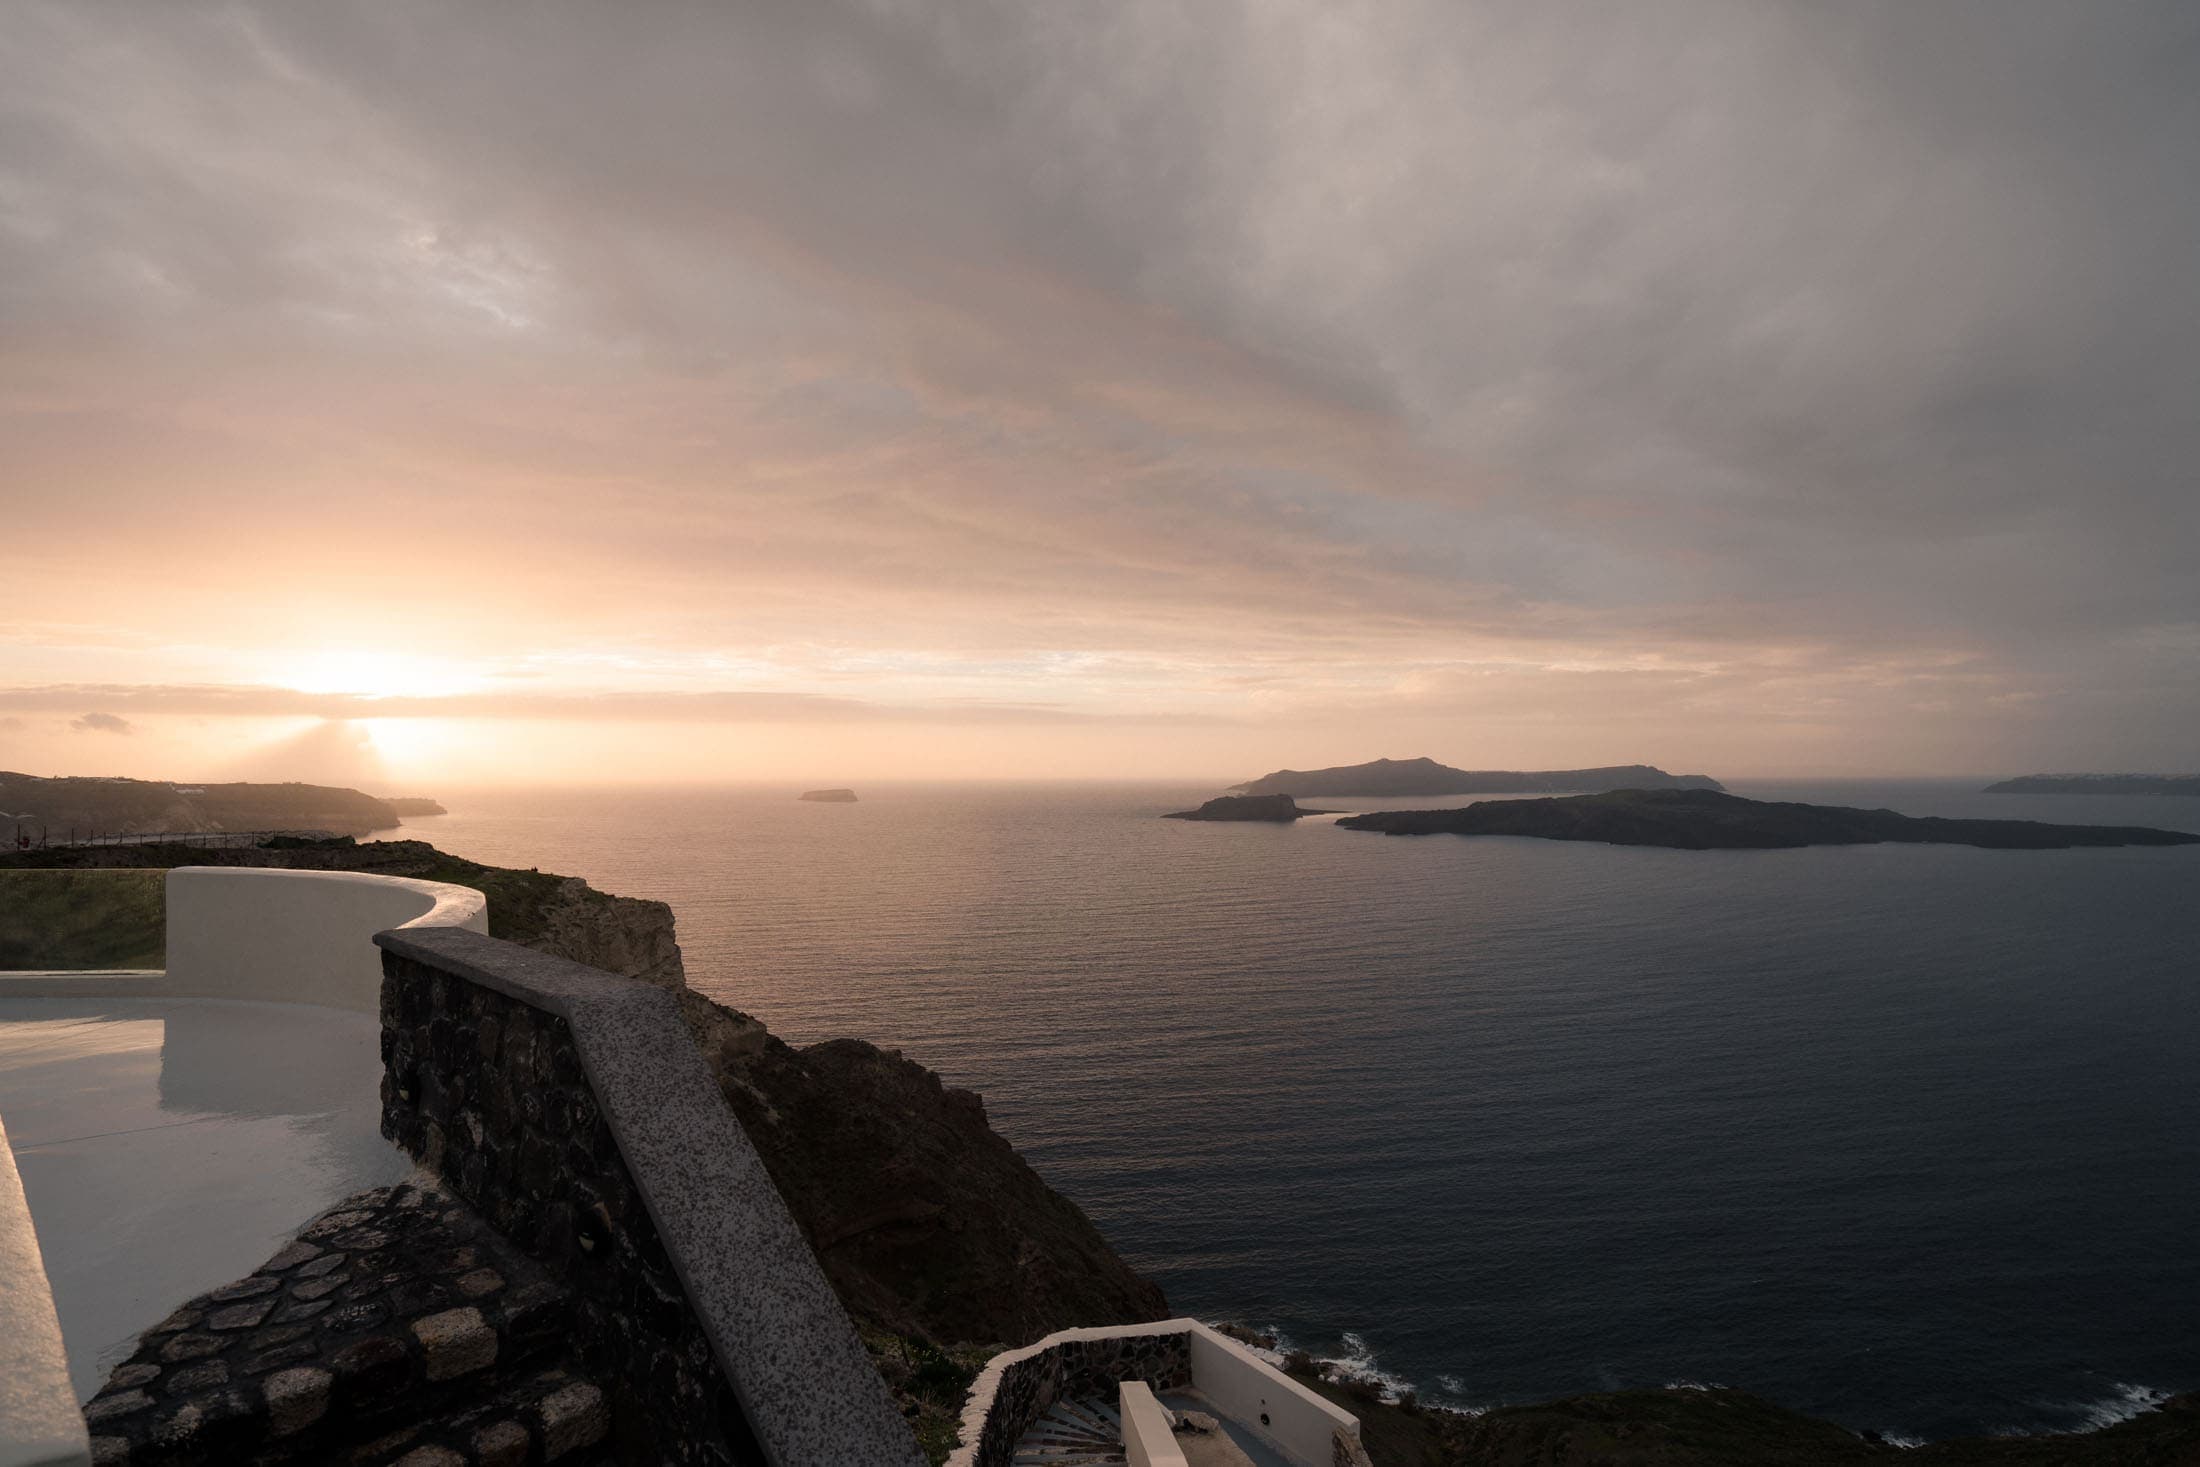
[(402, 393)]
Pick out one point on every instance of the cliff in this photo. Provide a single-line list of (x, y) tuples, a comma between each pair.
[(1247, 807), (1427, 777), (2098, 784), (1698, 820), (150, 806)]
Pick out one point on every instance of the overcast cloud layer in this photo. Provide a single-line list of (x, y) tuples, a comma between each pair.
[(1755, 385)]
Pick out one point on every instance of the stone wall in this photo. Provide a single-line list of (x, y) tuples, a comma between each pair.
[(572, 1108), (1017, 1388), (397, 1327), (489, 1092)]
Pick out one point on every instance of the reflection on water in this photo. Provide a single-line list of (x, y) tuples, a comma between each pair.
[(169, 1146), (1903, 1135)]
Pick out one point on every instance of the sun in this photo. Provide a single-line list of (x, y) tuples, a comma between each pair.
[(371, 673)]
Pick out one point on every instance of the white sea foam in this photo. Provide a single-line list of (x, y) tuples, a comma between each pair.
[(1907, 1443), (1694, 1385), (1358, 1362), (2127, 1402)]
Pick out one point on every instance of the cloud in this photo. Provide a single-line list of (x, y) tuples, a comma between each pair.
[(611, 707), (1188, 349)]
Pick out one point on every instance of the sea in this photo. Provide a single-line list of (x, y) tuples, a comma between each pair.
[(1903, 1136)]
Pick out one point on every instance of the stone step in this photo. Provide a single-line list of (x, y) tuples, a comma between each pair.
[(395, 1307), (1073, 1434), (554, 1417)]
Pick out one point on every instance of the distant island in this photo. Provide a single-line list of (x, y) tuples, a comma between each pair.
[(1706, 820), (60, 810), (829, 797), (2099, 784), (1281, 808), (414, 805), (1427, 777)]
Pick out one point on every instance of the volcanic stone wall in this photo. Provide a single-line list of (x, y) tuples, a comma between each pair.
[(490, 1092)]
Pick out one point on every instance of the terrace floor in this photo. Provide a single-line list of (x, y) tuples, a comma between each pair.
[(168, 1146)]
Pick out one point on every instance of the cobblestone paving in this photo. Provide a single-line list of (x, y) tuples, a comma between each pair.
[(397, 1328)]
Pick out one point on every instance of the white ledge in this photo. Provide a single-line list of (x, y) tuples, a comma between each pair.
[(40, 1425)]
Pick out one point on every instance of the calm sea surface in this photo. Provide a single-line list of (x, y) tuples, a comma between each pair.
[(1904, 1136)]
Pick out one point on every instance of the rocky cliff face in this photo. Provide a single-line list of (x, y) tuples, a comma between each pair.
[(926, 1220), (618, 934)]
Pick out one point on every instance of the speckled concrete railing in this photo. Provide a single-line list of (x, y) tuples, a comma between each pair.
[(1016, 1387), (572, 1108), (39, 1424)]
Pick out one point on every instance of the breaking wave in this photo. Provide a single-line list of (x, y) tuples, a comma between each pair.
[(2126, 1402)]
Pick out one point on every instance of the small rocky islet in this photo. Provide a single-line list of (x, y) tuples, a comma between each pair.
[(1276, 809)]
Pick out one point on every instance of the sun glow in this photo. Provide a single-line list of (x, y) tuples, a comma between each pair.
[(371, 673)]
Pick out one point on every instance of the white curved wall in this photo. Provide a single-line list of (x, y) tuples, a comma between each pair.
[(39, 1422), (298, 936)]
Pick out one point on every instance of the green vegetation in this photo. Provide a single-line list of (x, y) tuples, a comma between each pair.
[(929, 1385), (82, 920)]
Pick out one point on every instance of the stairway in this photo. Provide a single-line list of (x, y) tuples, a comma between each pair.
[(1073, 1434)]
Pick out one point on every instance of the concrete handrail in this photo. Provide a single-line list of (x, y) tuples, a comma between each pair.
[(1147, 1438), (40, 1425)]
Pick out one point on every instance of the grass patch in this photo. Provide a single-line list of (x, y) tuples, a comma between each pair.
[(78, 921)]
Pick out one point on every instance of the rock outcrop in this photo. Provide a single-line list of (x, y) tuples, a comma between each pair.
[(414, 805), (926, 1220)]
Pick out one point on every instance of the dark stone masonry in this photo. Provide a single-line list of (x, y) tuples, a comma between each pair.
[(489, 1092), (395, 1329)]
